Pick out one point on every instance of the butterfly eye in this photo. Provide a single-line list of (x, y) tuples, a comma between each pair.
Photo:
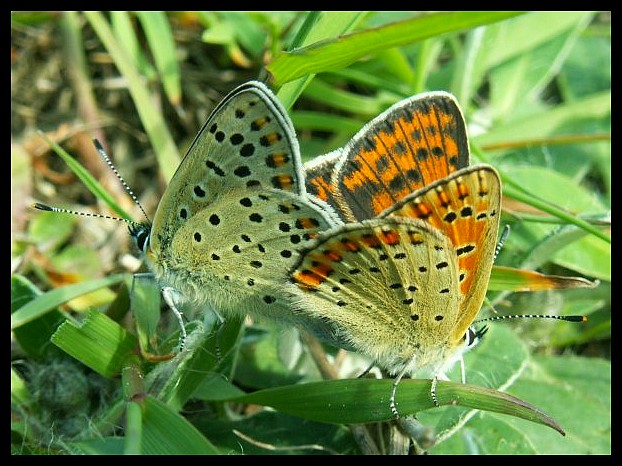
[(140, 234)]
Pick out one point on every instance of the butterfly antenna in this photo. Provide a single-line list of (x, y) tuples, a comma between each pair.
[(504, 236), (48, 208), (533, 316), (104, 156)]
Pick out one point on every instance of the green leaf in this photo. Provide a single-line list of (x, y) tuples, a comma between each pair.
[(337, 53), (354, 401), (165, 432), (34, 336), (357, 401), (99, 343), (162, 46), (575, 390), (52, 299)]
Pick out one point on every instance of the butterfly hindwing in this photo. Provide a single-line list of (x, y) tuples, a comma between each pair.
[(389, 287), (466, 207), (236, 213), (243, 252)]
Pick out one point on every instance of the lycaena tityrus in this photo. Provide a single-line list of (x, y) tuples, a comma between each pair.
[(405, 280), (405, 287), (235, 214)]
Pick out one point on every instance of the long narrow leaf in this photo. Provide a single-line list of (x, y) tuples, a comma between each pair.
[(162, 46), (52, 299), (338, 53), (151, 116)]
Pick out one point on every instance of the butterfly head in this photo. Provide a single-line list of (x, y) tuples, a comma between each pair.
[(140, 233)]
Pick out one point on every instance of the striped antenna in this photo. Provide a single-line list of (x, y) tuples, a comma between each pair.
[(533, 316), (48, 208), (484, 329), (104, 156)]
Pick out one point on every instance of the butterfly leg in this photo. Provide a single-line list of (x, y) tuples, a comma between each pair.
[(392, 403), (462, 370), (422, 436), (170, 295), (217, 321), (442, 376), (366, 371), (433, 391)]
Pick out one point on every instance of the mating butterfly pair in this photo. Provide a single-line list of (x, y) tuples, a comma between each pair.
[(401, 281)]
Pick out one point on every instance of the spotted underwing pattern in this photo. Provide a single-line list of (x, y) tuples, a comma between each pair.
[(236, 214), (404, 288)]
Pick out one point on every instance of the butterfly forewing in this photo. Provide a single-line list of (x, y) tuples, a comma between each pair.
[(411, 145), (246, 144), (464, 206)]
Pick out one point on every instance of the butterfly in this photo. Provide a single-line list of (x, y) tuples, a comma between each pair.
[(236, 214), (403, 281), (405, 287)]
